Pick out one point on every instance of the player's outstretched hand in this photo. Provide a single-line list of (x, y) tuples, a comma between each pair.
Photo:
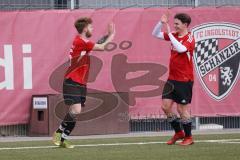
[(164, 18)]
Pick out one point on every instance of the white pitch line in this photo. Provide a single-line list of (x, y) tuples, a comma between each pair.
[(19, 148), (118, 144), (217, 140), (230, 142), (124, 144)]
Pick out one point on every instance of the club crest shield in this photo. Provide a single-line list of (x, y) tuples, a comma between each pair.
[(217, 57)]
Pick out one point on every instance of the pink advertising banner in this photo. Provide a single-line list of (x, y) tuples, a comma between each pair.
[(33, 46)]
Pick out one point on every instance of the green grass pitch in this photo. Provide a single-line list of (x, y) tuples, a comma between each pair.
[(227, 147)]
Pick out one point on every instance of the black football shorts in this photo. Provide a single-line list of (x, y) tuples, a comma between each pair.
[(73, 92), (179, 92)]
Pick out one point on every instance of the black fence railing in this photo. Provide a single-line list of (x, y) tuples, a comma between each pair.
[(159, 124), (147, 125)]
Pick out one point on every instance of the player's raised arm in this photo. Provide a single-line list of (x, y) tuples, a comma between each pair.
[(100, 45), (157, 31)]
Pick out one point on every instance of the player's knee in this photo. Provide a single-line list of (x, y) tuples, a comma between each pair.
[(179, 110), (76, 109), (165, 109), (185, 116)]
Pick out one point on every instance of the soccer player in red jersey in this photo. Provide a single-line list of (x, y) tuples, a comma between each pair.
[(76, 77), (178, 88)]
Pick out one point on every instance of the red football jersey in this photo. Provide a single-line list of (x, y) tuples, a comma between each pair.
[(79, 60), (181, 64)]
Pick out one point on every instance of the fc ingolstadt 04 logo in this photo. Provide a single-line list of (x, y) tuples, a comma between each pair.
[(217, 57)]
